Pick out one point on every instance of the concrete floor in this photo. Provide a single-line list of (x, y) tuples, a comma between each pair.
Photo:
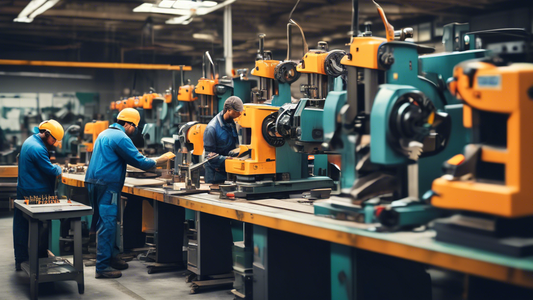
[(135, 282)]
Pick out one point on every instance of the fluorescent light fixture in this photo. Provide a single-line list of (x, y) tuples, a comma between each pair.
[(33, 9), (186, 4), (203, 36), (166, 3), (182, 7), (150, 8), (183, 20)]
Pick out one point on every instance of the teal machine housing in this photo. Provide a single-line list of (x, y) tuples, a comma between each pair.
[(409, 73)]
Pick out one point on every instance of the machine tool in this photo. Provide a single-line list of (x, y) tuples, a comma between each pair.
[(91, 132), (272, 91), (490, 183), (266, 164), (396, 123), (189, 148), (156, 113), (205, 89)]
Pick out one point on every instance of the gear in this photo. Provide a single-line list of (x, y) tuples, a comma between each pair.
[(332, 63), (285, 72), (269, 131)]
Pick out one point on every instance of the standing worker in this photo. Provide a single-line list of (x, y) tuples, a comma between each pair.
[(36, 177), (220, 137), (113, 150)]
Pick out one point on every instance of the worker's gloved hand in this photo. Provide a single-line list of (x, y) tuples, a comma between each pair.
[(164, 158), (234, 153)]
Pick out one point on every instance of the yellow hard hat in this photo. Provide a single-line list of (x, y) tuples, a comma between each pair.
[(129, 115), (54, 128)]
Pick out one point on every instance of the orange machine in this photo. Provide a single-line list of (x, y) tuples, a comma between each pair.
[(491, 183), (262, 156), (92, 130), (112, 105), (147, 99), (494, 176), (119, 105), (185, 93)]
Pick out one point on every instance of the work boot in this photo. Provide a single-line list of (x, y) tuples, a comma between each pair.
[(119, 264), (108, 273)]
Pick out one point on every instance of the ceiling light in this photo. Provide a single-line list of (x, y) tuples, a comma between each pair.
[(185, 4), (182, 7), (166, 3), (33, 9), (150, 8), (203, 36), (183, 20)]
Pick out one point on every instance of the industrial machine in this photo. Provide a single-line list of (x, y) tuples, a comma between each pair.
[(205, 89), (91, 132), (396, 123), (266, 164), (189, 148), (490, 183), (156, 114), (270, 90)]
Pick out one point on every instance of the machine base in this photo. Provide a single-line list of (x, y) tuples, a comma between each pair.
[(273, 189), (450, 231)]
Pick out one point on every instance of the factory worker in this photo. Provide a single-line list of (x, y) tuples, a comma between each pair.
[(220, 137), (113, 150), (36, 177)]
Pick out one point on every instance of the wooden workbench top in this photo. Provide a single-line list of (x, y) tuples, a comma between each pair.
[(417, 246)]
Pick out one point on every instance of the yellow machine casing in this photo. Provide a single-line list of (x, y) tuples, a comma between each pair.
[(185, 93), (363, 52), (137, 102), (168, 98), (94, 129), (265, 68), (313, 62), (119, 105), (112, 105), (129, 103), (506, 90), (206, 86), (147, 100), (195, 136), (263, 156)]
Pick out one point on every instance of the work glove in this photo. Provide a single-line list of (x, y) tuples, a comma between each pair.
[(161, 160), (234, 153)]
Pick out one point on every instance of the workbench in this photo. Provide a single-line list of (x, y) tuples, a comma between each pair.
[(53, 268), (415, 246)]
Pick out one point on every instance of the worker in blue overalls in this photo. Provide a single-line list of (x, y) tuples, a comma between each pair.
[(113, 150), (36, 177), (220, 137)]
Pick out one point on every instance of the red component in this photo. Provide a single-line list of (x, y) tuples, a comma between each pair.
[(378, 210), (231, 195)]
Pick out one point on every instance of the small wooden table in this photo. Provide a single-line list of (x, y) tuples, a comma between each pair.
[(53, 268)]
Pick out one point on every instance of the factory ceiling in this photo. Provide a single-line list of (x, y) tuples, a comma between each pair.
[(110, 31)]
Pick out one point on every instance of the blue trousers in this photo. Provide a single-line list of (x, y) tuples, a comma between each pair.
[(106, 200)]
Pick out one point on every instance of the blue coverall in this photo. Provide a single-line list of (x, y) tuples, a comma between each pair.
[(219, 137), (106, 173), (36, 177)]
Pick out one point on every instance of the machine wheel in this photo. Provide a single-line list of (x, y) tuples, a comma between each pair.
[(269, 131), (332, 63), (285, 72)]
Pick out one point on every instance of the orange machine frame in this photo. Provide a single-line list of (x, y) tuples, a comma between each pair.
[(195, 135), (263, 156), (206, 86), (94, 129), (185, 93), (313, 62), (265, 68), (509, 94)]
